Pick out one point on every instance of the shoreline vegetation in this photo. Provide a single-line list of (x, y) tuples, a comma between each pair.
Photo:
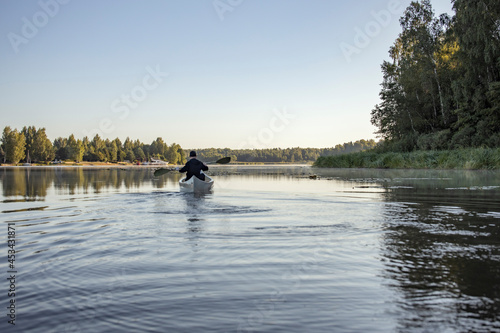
[(459, 159), (440, 95), (32, 146), (465, 159)]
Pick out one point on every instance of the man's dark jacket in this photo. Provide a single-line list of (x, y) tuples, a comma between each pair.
[(194, 167)]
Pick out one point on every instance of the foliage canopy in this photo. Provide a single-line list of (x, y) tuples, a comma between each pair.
[(442, 88)]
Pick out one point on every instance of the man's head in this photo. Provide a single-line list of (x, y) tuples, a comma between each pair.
[(192, 154)]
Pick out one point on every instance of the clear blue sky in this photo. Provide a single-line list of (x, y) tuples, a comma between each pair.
[(201, 73)]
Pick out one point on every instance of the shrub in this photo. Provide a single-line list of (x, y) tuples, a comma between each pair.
[(434, 141)]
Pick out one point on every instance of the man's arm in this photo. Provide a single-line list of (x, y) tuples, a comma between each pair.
[(184, 168)]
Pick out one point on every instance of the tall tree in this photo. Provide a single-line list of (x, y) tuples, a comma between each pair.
[(130, 156), (112, 150), (29, 134), (416, 57), (159, 148), (174, 156), (59, 145), (477, 27), (181, 156), (74, 149), (139, 154), (440, 90), (13, 144), (99, 148), (120, 153), (41, 147)]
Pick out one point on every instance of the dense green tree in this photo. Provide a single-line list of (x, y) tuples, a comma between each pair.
[(159, 149), (88, 150), (13, 144), (128, 144), (42, 149), (130, 156), (38, 146), (147, 151), (112, 150), (181, 157), (139, 154), (477, 27), (59, 145), (29, 135), (120, 153), (175, 154), (414, 100), (99, 148), (74, 149), (441, 88)]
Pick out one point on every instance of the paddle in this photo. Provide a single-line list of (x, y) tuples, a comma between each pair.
[(162, 171), (224, 160)]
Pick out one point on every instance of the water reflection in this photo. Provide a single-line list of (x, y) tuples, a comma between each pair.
[(442, 250), (420, 248), (23, 182), (34, 183)]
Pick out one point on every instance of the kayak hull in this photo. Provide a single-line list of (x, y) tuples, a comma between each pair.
[(197, 185)]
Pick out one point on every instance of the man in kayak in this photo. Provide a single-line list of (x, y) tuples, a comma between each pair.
[(194, 167)]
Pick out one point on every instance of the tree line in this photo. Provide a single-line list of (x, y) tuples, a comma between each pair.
[(32, 144), (441, 89), (283, 155)]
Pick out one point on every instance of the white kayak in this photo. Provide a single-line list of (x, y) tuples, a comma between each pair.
[(195, 184)]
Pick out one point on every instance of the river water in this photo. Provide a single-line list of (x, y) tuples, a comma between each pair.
[(270, 250)]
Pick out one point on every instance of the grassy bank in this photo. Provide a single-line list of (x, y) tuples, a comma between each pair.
[(469, 159)]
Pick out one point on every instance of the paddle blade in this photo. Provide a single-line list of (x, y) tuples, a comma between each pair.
[(224, 160), (161, 172)]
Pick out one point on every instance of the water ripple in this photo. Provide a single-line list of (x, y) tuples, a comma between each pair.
[(262, 254)]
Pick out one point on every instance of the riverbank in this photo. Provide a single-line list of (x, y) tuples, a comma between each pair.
[(466, 159)]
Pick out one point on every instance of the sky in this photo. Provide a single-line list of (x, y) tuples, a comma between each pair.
[(201, 73)]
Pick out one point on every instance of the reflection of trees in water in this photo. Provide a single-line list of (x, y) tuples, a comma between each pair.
[(26, 182), (34, 182), (442, 254)]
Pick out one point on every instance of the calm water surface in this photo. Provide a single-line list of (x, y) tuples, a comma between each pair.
[(270, 250)]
